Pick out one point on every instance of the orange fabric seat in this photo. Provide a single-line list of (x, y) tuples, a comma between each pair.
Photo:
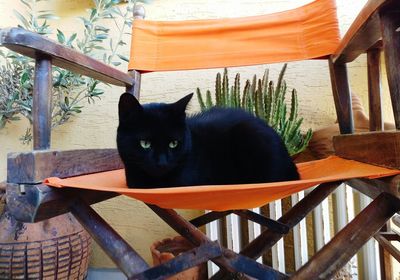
[(228, 197), (310, 31)]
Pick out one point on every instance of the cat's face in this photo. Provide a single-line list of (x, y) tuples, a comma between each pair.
[(152, 137)]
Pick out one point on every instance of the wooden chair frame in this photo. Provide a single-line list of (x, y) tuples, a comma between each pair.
[(375, 29)]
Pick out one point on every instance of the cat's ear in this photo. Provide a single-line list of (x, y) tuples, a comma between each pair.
[(181, 104), (128, 105)]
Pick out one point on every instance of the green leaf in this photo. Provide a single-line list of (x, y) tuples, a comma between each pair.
[(209, 102), (93, 13), (124, 58), (48, 16), (111, 44), (236, 90), (71, 39), (86, 22), (101, 28), (225, 88), (26, 4), (117, 11), (77, 109), (200, 99), (116, 63), (24, 77), (101, 36), (60, 36), (97, 92), (22, 19), (121, 43), (280, 78), (218, 91)]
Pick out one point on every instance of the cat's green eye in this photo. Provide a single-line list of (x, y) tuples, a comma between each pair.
[(145, 144), (173, 144)]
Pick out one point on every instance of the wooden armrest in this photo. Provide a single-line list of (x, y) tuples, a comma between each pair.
[(33, 167), (365, 32), (33, 45), (376, 147), (39, 202)]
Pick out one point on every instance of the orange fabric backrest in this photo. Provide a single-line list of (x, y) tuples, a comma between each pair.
[(310, 31)]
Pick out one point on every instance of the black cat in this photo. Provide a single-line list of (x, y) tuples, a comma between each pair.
[(161, 147)]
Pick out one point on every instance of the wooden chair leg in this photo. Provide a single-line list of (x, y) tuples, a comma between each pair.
[(41, 104), (335, 254), (123, 255)]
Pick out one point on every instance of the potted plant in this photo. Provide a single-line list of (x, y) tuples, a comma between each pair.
[(167, 249), (58, 247), (266, 101), (70, 90)]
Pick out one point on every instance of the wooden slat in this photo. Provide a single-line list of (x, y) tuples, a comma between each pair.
[(300, 236), (278, 250), (390, 235), (321, 224), (375, 187), (31, 44), (209, 217), (384, 257), (262, 220), (379, 148), (298, 212), (364, 33), (33, 167), (374, 90), (390, 23), (231, 261), (387, 246), (325, 263), (342, 97)]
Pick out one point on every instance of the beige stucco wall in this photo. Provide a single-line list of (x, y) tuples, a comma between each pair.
[(95, 127)]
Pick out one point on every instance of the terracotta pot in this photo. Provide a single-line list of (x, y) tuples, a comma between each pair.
[(57, 248), (167, 249)]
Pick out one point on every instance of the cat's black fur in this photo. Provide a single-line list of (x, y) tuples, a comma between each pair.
[(219, 146)]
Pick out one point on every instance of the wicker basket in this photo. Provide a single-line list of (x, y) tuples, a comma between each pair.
[(57, 248)]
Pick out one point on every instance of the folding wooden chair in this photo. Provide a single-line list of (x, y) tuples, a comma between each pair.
[(375, 29)]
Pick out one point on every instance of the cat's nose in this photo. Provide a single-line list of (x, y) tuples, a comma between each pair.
[(162, 161)]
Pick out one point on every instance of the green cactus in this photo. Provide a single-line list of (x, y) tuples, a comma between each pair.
[(261, 98)]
